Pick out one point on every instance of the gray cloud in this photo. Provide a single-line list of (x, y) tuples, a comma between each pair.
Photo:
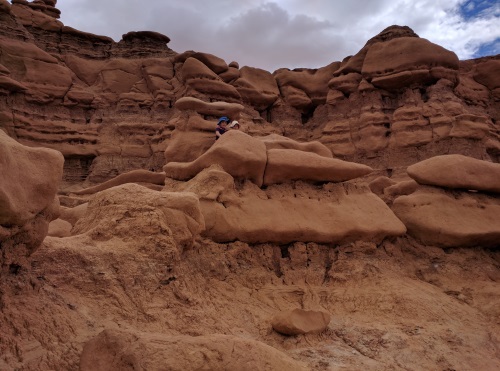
[(283, 33)]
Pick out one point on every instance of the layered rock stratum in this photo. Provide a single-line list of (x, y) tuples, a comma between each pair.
[(353, 223)]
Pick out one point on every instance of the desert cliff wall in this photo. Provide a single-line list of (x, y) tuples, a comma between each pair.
[(109, 106)]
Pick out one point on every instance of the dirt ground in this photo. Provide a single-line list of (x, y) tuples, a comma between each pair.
[(395, 306)]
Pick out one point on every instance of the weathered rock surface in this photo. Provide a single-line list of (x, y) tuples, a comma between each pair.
[(438, 218), (28, 202), (174, 214), (334, 215), (121, 350), (141, 261)]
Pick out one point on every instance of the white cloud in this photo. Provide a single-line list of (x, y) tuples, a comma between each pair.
[(287, 33)]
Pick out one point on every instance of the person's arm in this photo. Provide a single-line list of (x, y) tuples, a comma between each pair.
[(217, 134)]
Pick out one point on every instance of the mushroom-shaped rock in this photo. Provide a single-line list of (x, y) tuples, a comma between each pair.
[(216, 64), (231, 110), (299, 321), (284, 165), (131, 209), (457, 171), (118, 350), (406, 60), (275, 141), (239, 154), (440, 219)]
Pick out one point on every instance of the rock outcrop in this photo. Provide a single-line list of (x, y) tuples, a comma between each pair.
[(460, 210), (114, 107), (28, 202), (366, 190)]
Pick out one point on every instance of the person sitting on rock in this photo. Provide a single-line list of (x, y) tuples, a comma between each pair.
[(221, 127), (235, 125)]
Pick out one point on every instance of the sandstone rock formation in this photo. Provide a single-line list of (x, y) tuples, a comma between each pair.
[(367, 188), (28, 202), (175, 214), (448, 215), (331, 215)]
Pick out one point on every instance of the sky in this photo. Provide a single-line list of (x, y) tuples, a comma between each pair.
[(291, 34)]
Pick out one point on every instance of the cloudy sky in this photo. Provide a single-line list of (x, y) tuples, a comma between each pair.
[(290, 33)]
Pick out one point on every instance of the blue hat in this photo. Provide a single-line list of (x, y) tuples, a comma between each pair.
[(222, 119)]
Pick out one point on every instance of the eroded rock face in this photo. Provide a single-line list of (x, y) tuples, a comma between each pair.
[(112, 107), (154, 213), (28, 202), (438, 218), (254, 215)]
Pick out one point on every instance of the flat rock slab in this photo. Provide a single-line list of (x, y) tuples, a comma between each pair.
[(299, 321), (252, 219), (441, 219), (457, 171)]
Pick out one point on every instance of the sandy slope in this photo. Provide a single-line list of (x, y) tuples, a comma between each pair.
[(397, 306)]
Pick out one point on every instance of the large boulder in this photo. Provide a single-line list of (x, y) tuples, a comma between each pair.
[(118, 350), (28, 203), (438, 218), (30, 179), (239, 154), (457, 171), (299, 321)]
